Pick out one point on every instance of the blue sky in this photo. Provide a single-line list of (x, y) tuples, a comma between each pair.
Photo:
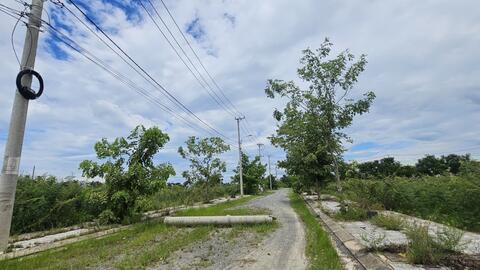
[(423, 66)]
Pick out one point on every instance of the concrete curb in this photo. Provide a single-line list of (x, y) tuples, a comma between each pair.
[(357, 250)]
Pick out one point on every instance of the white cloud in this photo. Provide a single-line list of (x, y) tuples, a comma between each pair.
[(423, 66)]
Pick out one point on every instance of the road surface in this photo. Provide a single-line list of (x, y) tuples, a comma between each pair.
[(282, 249), (285, 248)]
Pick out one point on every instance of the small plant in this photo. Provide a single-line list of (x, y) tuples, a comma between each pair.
[(389, 222), (351, 213), (375, 241), (448, 239), (424, 248), (421, 246)]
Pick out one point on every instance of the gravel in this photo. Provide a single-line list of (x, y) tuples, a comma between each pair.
[(282, 249)]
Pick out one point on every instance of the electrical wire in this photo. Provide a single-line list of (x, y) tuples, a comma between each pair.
[(160, 87), (198, 75), (122, 78), (236, 111), (198, 58), (12, 38)]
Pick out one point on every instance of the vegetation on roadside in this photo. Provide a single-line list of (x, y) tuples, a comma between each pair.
[(129, 172), (319, 250), (137, 247), (451, 200), (130, 184), (46, 203)]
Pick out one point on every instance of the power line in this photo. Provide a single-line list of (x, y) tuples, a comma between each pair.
[(198, 75), (122, 78), (206, 70), (198, 58), (161, 87)]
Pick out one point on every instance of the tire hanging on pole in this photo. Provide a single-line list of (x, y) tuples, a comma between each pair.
[(25, 91)]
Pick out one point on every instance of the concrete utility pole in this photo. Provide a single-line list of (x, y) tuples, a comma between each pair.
[(260, 145), (269, 174), (240, 170), (13, 146)]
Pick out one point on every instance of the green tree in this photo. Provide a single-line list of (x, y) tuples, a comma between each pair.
[(311, 125), (205, 167), (253, 173), (384, 167), (431, 165), (129, 171)]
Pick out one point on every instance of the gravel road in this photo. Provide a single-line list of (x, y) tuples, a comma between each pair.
[(283, 249)]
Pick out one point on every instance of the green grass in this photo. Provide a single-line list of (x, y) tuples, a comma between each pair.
[(134, 248), (220, 209), (351, 213), (389, 222), (319, 250)]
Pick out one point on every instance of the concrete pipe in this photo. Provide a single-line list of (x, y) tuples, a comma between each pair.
[(218, 220)]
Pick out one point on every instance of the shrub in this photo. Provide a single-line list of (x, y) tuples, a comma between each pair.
[(389, 222)]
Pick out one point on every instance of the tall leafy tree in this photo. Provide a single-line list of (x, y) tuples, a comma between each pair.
[(310, 128), (253, 173), (206, 167), (431, 165), (129, 171)]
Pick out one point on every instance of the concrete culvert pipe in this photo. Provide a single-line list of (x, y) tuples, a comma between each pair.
[(218, 220)]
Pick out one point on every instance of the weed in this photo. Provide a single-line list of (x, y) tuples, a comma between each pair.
[(421, 247), (424, 248), (389, 222), (448, 239), (351, 213), (374, 240)]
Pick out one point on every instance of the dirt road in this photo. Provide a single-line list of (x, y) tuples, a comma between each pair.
[(281, 249), (285, 248)]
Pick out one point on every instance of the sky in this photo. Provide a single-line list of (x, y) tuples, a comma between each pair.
[(423, 65)]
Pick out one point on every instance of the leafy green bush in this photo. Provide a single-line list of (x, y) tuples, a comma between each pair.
[(44, 203)]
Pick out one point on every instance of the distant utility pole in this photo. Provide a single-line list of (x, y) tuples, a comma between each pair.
[(13, 146), (240, 169), (276, 172), (269, 174), (33, 172), (260, 145)]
